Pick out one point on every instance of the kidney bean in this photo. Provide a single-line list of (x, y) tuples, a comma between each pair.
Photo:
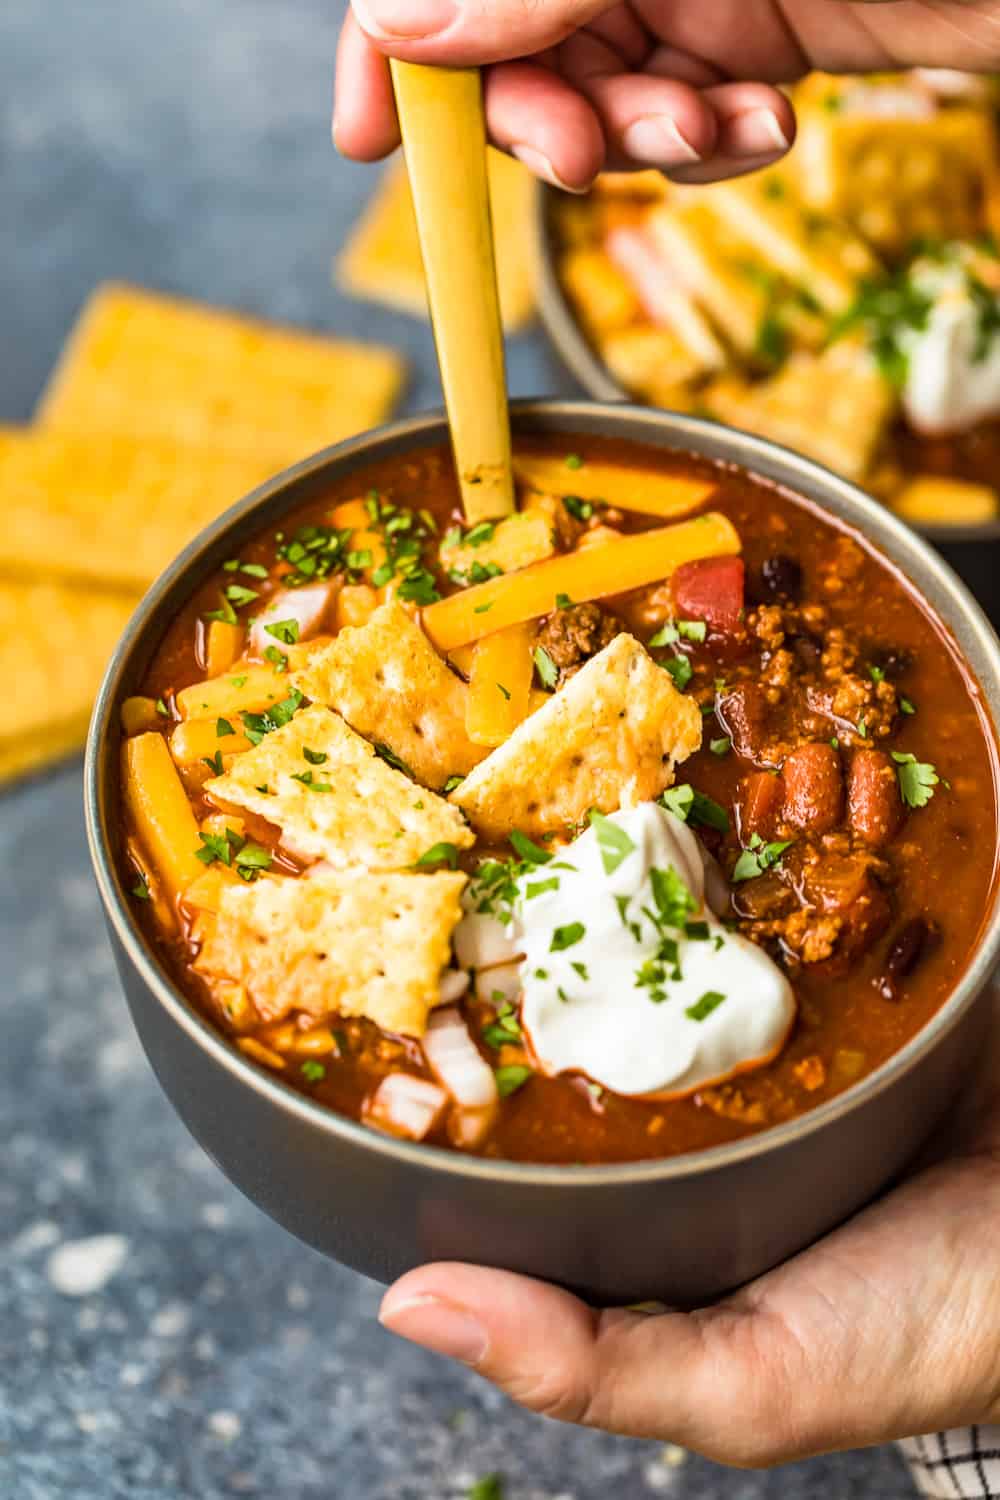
[(780, 577), (742, 712), (814, 788), (874, 806), (759, 800), (905, 952)]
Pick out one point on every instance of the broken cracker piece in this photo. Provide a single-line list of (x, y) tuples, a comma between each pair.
[(389, 683), (609, 738), (346, 943), (349, 808)]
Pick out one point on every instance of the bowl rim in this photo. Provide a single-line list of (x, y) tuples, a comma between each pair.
[(968, 628), (578, 356)]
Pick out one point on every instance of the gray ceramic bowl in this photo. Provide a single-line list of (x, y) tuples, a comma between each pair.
[(584, 363), (684, 1229)]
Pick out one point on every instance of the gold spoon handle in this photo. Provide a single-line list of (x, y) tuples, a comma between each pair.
[(444, 140)]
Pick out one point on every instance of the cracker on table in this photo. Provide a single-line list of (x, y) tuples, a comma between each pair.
[(344, 943), (382, 261), (609, 738), (389, 683), (111, 507), (55, 643), (139, 362), (351, 808)]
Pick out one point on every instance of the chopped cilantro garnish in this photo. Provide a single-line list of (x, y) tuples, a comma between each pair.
[(613, 842), (566, 937), (539, 887), (835, 742), (710, 1000), (255, 726), (253, 570), (360, 558), (314, 757), (452, 783), (310, 783), (313, 1071), (692, 806), (452, 538), (277, 658), (673, 899), (917, 779), (541, 973), (758, 857), (505, 691), (563, 601), (141, 890), (392, 759), (580, 969), (238, 682), (574, 461), (906, 706), (527, 850), (264, 789), (509, 1080), (285, 631), (225, 613), (680, 670), (692, 630), (162, 709), (481, 609), (223, 727), (863, 728), (721, 746), (438, 854), (238, 595), (580, 510), (214, 763), (219, 846), (665, 636), (548, 672), (698, 932), (250, 860), (877, 674), (480, 533)]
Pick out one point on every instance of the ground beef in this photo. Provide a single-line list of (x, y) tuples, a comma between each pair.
[(572, 636)]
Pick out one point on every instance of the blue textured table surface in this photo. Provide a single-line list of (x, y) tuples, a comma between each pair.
[(196, 1349)]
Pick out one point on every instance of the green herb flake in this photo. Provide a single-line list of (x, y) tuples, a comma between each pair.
[(680, 670), (222, 728), (721, 746), (563, 601), (573, 461), (310, 783), (214, 763), (162, 709), (238, 595), (580, 510), (580, 969), (256, 726), (392, 759), (527, 849), (758, 857), (141, 890), (505, 691), (539, 887), (312, 1071), (877, 674), (548, 672), (285, 631), (906, 706), (314, 757), (277, 658), (566, 937), (253, 570), (250, 860), (698, 932), (452, 783), (701, 1009), (667, 635), (692, 630), (917, 779), (480, 533), (511, 1078), (438, 854), (238, 682), (225, 613), (613, 842), (863, 728), (481, 609)]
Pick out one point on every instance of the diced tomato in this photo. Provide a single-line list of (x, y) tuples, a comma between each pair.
[(711, 589)]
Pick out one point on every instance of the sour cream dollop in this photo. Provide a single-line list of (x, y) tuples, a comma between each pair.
[(627, 975), (953, 362)]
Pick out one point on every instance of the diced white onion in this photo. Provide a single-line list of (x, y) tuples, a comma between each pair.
[(468, 1128), (501, 979), (481, 940), (406, 1106), (454, 983), (306, 606), (455, 1060)]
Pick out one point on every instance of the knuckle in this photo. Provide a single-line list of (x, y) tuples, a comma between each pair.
[(551, 1393)]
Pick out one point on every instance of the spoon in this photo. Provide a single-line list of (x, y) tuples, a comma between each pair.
[(444, 141)]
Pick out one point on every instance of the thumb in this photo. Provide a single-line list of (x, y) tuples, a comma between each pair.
[(697, 1379), (457, 33)]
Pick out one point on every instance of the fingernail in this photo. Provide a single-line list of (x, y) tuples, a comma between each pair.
[(759, 133), (408, 19), (538, 162), (656, 139), (438, 1326)]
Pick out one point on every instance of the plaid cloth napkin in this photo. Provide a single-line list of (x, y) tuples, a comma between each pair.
[(963, 1464)]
